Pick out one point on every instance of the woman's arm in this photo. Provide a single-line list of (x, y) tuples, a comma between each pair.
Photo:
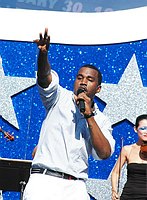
[(116, 173)]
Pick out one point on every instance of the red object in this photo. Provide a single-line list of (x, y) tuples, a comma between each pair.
[(7, 135)]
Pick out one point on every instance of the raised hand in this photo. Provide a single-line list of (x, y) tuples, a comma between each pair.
[(44, 42)]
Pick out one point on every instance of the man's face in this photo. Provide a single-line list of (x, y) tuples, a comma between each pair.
[(87, 79)]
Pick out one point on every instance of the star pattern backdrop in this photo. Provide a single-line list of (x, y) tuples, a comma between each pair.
[(124, 71), (112, 60)]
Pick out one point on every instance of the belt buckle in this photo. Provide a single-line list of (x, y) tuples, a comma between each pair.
[(44, 172), (70, 177)]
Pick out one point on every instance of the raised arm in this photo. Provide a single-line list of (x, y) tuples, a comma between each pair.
[(44, 68)]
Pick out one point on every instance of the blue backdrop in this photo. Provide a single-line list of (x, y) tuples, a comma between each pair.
[(19, 60)]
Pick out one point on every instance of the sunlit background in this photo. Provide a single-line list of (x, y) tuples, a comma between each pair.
[(18, 59)]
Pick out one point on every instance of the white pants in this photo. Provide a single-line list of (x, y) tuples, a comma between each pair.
[(45, 187)]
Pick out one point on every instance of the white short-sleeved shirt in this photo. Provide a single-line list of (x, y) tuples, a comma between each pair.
[(64, 144)]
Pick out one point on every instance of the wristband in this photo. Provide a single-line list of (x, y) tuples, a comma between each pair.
[(89, 115)]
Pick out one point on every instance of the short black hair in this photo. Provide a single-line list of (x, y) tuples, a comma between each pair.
[(95, 68), (140, 118)]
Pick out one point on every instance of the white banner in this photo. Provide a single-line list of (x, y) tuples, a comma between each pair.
[(74, 28)]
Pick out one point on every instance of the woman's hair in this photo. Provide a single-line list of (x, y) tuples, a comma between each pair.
[(140, 118)]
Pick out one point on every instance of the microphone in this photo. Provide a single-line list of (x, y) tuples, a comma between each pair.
[(81, 104)]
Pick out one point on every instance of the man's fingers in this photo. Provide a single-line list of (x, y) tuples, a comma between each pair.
[(36, 41), (45, 36), (43, 42), (40, 36), (46, 33), (48, 39), (42, 48)]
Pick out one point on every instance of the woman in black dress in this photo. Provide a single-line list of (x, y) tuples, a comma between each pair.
[(135, 155)]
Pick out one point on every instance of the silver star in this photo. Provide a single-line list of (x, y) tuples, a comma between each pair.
[(10, 86), (127, 99), (101, 189)]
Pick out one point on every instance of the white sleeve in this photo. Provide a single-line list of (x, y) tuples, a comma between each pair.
[(49, 95), (106, 128)]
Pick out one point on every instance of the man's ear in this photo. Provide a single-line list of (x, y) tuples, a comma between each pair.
[(98, 88)]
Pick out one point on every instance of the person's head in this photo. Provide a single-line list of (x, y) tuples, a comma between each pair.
[(141, 127), (88, 78)]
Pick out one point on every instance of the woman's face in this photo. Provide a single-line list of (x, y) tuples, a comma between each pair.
[(142, 130)]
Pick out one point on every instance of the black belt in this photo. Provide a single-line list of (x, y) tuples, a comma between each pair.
[(53, 173)]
